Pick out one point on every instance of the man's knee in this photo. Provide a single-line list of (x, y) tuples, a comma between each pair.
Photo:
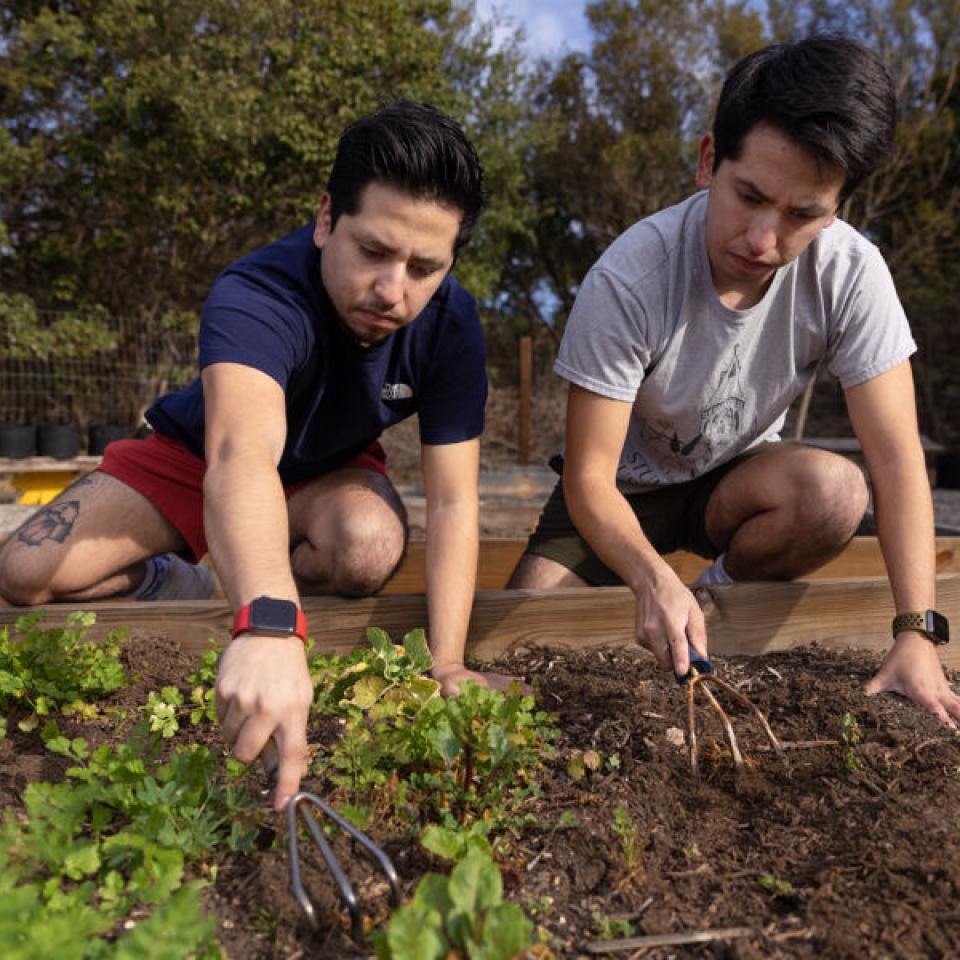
[(369, 548), (24, 582), (832, 495), (534, 572)]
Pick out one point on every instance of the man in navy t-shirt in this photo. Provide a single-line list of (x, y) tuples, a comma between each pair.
[(309, 349)]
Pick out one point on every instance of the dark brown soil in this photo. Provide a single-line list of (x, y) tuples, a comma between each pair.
[(832, 853)]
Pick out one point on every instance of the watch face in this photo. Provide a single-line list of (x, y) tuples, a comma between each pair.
[(938, 626), (273, 616)]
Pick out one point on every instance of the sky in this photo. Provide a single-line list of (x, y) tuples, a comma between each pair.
[(551, 26)]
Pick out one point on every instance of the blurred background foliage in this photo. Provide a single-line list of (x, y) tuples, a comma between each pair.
[(145, 144)]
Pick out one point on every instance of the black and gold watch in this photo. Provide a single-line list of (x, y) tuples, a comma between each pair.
[(934, 625)]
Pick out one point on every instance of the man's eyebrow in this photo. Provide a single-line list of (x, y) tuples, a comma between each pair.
[(814, 210), (432, 263)]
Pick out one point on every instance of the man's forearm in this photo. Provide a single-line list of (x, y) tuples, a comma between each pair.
[(245, 519), (606, 521), (451, 575), (905, 529)]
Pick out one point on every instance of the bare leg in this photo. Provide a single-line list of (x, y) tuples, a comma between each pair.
[(785, 512), (534, 572), (87, 544), (348, 533)]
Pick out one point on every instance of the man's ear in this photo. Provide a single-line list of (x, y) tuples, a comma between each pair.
[(322, 228), (705, 160)]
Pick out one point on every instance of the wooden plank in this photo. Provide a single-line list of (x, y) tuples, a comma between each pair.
[(526, 382), (80, 464), (498, 557), (750, 618), (852, 445)]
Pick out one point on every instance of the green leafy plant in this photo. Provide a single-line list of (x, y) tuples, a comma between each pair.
[(775, 886), (165, 709), (611, 928), (382, 680), (44, 671), (626, 831), (118, 836), (404, 748), (460, 916), (454, 843), (692, 851), (850, 735)]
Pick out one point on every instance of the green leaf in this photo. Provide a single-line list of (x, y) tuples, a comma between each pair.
[(381, 643), (506, 932), (82, 861), (461, 930), (445, 741), (453, 844), (416, 935), (475, 884), (415, 645), (432, 894), (367, 690)]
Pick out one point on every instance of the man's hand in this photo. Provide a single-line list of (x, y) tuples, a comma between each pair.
[(912, 668), (668, 618), (264, 691), (451, 675)]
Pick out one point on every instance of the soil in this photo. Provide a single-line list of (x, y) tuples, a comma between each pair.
[(838, 850)]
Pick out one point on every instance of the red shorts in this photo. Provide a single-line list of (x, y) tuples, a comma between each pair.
[(171, 478)]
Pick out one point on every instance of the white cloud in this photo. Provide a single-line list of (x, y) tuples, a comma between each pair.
[(550, 26)]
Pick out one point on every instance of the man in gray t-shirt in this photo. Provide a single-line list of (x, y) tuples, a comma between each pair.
[(694, 332)]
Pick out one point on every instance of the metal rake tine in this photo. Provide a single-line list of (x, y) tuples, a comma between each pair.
[(757, 712), (724, 719), (347, 893)]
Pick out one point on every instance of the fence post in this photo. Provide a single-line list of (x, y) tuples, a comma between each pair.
[(526, 380)]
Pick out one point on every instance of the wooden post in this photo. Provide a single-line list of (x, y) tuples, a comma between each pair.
[(526, 379)]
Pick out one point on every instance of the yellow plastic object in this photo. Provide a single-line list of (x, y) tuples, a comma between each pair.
[(42, 486)]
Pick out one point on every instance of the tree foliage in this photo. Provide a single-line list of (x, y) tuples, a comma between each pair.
[(614, 136), (146, 144)]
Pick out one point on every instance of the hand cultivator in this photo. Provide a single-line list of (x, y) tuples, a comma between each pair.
[(298, 806), (701, 675)]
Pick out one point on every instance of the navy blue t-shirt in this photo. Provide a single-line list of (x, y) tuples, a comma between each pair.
[(269, 310)]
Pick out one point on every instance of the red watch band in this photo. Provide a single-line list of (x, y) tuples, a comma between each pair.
[(275, 618)]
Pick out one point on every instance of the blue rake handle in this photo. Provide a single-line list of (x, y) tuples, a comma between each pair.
[(698, 663)]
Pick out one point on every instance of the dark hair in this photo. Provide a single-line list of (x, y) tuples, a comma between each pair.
[(414, 148), (828, 93)]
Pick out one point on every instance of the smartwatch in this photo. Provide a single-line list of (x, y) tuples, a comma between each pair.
[(275, 618), (934, 625)]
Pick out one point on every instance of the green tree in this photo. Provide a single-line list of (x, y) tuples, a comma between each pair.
[(146, 144), (614, 135)]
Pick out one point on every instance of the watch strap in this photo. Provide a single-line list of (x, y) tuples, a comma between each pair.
[(929, 622), (242, 623), (909, 621)]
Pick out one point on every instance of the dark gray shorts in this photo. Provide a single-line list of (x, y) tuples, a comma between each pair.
[(672, 518)]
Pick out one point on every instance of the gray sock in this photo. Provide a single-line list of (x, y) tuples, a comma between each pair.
[(156, 573), (716, 573)]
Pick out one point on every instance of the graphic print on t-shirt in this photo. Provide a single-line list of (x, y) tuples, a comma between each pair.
[(396, 391), (720, 421)]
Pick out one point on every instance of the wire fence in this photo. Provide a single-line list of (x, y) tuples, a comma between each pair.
[(87, 371)]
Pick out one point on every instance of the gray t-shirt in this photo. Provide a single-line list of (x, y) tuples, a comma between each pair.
[(707, 382)]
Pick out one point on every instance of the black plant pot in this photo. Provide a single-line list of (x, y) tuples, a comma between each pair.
[(948, 471), (101, 434), (17, 441), (58, 440)]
